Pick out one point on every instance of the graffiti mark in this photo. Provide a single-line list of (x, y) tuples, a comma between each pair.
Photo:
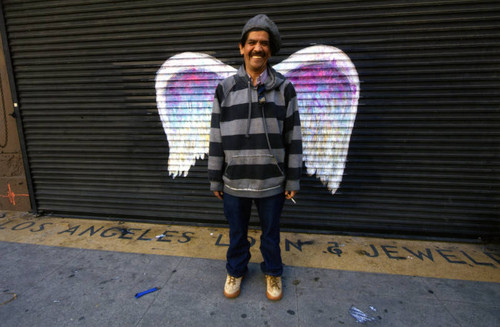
[(327, 86), (468, 261), (11, 195)]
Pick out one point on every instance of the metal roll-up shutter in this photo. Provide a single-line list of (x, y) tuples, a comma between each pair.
[(423, 155)]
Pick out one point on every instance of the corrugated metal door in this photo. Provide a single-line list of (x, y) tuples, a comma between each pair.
[(423, 154)]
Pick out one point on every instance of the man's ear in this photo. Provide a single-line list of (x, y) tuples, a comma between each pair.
[(241, 49)]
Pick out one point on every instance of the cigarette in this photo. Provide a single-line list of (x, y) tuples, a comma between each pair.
[(293, 200)]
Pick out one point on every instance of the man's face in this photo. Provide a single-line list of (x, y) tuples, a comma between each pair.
[(256, 51)]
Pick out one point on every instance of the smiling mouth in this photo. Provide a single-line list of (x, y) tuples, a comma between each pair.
[(257, 55)]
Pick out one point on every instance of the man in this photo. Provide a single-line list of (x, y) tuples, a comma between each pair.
[(255, 153)]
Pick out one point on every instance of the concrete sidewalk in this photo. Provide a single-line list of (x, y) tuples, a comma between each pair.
[(58, 286)]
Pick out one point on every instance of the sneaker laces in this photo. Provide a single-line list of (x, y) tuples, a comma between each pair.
[(274, 281), (232, 280)]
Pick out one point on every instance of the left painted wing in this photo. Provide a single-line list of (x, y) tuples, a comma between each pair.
[(185, 88)]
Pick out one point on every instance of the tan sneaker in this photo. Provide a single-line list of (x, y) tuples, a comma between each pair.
[(274, 288), (232, 287)]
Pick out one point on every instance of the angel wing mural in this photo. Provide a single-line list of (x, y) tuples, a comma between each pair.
[(327, 87)]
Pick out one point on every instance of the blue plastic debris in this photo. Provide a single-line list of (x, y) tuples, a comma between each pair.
[(154, 289)]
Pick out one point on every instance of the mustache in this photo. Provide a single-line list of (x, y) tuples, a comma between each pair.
[(257, 53)]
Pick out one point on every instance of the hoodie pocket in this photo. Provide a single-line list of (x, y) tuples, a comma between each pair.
[(253, 173)]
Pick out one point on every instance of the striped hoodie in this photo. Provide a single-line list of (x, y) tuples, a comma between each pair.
[(255, 137)]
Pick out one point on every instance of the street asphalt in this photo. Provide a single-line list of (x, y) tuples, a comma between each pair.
[(59, 286)]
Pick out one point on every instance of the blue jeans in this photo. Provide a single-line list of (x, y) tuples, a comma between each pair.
[(237, 211)]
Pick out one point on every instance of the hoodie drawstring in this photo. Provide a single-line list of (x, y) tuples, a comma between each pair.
[(247, 135)]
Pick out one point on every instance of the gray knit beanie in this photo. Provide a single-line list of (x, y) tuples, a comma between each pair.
[(262, 22)]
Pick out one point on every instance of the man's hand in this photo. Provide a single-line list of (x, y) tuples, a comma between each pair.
[(290, 194), (219, 194)]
